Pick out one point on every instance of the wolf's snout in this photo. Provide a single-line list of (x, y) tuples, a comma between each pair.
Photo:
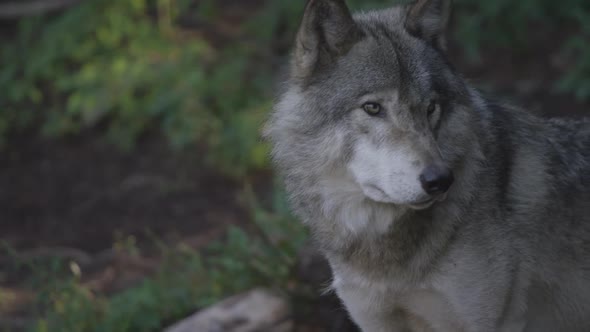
[(436, 180)]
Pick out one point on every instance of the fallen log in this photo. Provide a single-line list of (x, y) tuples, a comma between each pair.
[(255, 311)]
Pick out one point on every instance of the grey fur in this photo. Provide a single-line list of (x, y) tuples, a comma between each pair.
[(509, 248)]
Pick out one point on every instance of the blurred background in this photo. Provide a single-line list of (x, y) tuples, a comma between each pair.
[(134, 187)]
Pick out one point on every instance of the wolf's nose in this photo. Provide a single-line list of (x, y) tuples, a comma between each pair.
[(436, 180)]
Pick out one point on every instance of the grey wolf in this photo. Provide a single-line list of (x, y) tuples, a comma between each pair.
[(437, 208)]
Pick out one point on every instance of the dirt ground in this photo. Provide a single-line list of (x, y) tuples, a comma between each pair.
[(77, 193), (77, 196)]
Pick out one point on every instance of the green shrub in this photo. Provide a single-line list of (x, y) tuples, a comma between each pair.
[(511, 24), (186, 280), (110, 63)]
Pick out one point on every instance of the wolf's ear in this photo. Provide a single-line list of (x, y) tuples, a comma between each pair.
[(429, 20), (326, 32)]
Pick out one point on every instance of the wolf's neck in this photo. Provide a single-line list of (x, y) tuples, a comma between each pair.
[(365, 235), (385, 239)]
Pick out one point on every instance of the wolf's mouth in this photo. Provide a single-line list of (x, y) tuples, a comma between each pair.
[(376, 194), (429, 202), (423, 205)]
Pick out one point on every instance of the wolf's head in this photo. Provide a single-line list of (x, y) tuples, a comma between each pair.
[(373, 106)]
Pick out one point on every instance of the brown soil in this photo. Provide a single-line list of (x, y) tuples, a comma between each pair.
[(81, 192)]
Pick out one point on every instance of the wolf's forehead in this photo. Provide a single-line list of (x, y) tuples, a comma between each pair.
[(387, 56), (381, 62)]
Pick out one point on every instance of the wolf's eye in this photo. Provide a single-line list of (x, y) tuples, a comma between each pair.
[(432, 107), (372, 108)]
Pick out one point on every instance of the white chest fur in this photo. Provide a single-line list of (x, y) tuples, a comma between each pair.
[(394, 305)]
